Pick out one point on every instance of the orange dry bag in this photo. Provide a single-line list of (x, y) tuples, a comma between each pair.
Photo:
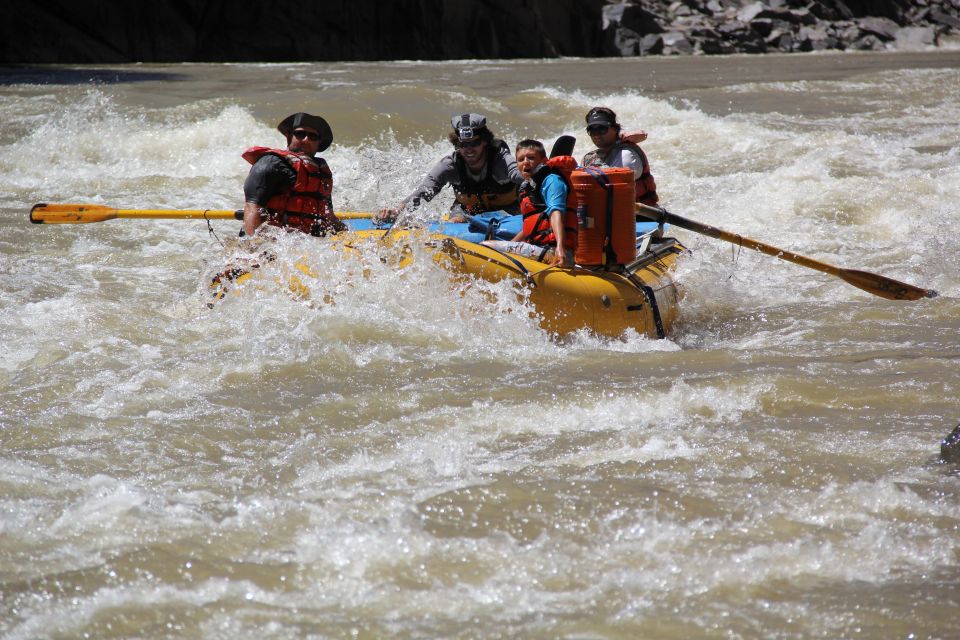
[(605, 219)]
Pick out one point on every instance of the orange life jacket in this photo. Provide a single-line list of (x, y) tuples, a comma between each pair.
[(306, 205), (536, 221)]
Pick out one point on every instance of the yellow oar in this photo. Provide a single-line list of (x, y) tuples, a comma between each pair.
[(82, 213), (871, 282)]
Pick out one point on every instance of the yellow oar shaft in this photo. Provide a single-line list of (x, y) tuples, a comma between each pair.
[(83, 213), (871, 282)]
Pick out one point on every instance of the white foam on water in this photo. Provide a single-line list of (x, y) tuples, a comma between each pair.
[(398, 447)]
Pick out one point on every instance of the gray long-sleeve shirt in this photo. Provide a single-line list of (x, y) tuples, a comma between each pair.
[(502, 170)]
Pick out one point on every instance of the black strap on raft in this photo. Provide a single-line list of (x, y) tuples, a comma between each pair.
[(519, 265), (489, 227), (493, 228), (609, 256), (652, 299)]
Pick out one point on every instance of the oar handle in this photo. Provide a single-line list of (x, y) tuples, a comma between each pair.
[(44, 213)]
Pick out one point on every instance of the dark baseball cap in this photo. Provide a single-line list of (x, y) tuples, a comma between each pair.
[(597, 116)]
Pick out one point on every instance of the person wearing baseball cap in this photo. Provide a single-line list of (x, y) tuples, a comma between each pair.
[(292, 187), (615, 149), (481, 170)]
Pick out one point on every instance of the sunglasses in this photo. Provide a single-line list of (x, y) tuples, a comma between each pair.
[(598, 129), (470, 144), (300, 135)]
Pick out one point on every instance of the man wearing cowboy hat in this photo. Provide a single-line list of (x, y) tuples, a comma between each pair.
[(292, 187)]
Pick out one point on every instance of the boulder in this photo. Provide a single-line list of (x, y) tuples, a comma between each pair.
[(676, 43), (825, 10), (763, 26), (950, 446), (712, 46), (941, 17), (651, 45), (867, 43), (845, 31), (714, 8), (801, 16), (625, 42), (816, 39), (632, 16), (612, 16), (679, 9), (916, 38), (883, 28), (705, 33), (735, 30), (780, 41), (892, 9), (752, 12)]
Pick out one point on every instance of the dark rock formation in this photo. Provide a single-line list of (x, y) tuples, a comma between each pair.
[(111, 31), (950, 446), (749, 26)]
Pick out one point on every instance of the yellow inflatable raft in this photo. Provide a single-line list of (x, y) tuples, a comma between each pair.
[(641, 295)]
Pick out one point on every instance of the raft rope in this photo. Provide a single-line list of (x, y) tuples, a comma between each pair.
[(735, 251), (210, 228)]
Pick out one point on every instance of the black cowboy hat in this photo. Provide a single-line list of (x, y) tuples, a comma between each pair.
[(296, 120)]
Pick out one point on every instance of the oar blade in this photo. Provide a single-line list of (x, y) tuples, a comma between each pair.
[(44, 213), (885, 287)]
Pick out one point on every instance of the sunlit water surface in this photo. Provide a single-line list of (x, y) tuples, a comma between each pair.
[(399, 457)]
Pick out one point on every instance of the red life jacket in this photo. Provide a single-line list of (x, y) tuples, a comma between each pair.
[(536, 222), (645, 187), (306, 205)]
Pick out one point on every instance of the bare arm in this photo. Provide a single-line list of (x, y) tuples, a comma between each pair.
[(268, 176), (252, 217), (556, 224)]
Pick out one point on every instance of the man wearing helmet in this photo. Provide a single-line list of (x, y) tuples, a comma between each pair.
[(481, 169), (292, 187)]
